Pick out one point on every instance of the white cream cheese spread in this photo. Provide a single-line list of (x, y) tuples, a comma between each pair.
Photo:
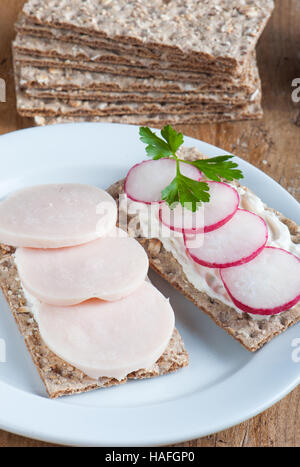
[(205, 279)]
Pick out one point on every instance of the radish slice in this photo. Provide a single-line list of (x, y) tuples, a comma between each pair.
[(238, 241), (223, 204), (145, 181), (110, 338), (109, 268), (267, 285), (56, 215)]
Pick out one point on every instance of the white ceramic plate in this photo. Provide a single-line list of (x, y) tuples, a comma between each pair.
[(223, 385)]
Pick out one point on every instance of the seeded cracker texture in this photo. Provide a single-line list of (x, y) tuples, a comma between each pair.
[(183, 26), (68, 78), (103, 96), (135, 112), (116, 69), (117, 48), (82, 108), (61, 378), (125, 70), (250, 332), (63, 35), (43, 107), (33, 82), (246, 84), (26, 44), (252, 111)]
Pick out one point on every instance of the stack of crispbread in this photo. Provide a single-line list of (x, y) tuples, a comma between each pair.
[(131, 61)]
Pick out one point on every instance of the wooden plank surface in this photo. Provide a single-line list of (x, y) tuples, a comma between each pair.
[(271, 144)]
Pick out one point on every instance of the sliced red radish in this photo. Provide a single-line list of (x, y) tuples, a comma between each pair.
[(223, 203), (145, 181), (110, 338), (267, 285), (109, 268), (240, 240), (56, 215)]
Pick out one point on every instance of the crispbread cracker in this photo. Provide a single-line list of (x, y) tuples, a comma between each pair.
[(68, 78), (253, 111), (185, 28), (61, 378), (54, 107), (26, 28), (26, 76), (123, 70), (192, 98), (250, 332), (53, 48)]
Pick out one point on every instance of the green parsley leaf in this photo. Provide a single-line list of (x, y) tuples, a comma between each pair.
[(157, 147), (218, 167), (174, 139), (189, 193)]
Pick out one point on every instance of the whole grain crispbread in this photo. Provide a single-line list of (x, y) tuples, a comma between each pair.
[(82, 89), (26, 28), (120, 69), (250, 112), (59, 377), (86, 108), (159, 97), (185, 27), (54, 48), (252, 333), (68, 78)]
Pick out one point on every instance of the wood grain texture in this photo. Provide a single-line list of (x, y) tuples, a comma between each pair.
[(271, 144)]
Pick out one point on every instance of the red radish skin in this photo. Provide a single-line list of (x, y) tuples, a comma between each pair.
[(223, 233), (230, 210), (264, 311), (147, 173), (191, 216)]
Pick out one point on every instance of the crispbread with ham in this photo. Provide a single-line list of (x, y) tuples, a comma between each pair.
[(61, 378), (87, 331)]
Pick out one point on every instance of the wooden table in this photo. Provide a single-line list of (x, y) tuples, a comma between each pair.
[(272, 144)]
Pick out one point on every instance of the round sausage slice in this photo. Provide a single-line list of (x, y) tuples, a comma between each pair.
[(108, 268), (110, 339), (56, 215)]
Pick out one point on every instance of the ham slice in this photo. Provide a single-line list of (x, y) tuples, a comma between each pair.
[(110, 339), (108, 268), (56, 215)]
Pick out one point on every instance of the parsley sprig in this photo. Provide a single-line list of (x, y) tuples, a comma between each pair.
[(186, 191)]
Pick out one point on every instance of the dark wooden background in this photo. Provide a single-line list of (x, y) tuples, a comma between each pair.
[(272, 144)]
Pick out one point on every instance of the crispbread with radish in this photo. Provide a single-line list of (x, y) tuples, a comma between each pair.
[(268, 285), (139, 184), (223, 204), (238, 241), (251, 332)]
